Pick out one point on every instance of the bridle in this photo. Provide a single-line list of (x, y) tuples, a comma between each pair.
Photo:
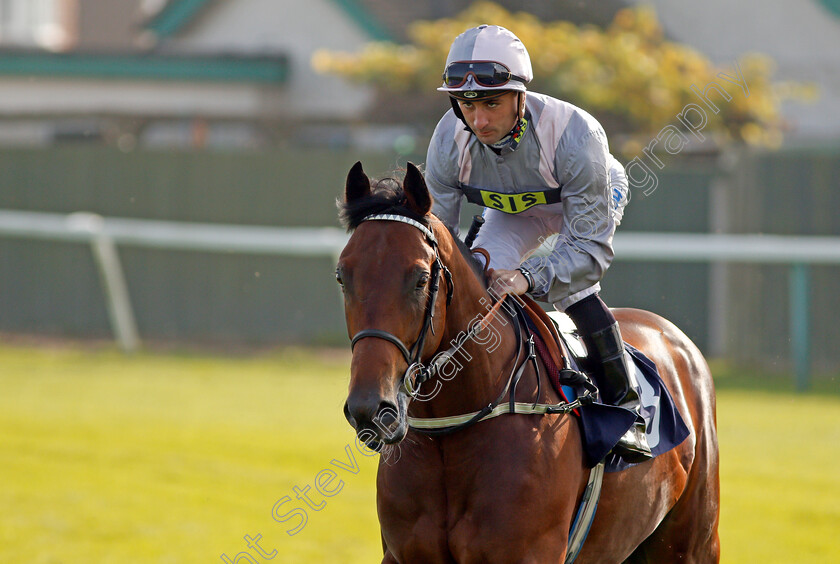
[(413, 356), (418, 372)]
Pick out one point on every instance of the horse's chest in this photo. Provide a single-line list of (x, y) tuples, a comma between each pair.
[(491, 500)]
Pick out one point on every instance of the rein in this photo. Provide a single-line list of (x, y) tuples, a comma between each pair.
[(451, 424)]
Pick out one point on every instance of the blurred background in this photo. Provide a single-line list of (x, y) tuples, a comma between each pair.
[(206, 142), (250, 113)]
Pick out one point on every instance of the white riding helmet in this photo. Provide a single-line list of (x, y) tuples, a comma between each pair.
[(485, 62)]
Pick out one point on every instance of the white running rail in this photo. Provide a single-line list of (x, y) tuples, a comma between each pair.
[(106, 234)]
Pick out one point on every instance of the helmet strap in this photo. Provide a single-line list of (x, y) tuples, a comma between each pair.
[(520, 112), (458, 113)]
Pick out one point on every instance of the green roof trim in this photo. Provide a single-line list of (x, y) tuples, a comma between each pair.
[(179, 13), (364, 19), (174, 16), (155, 67), (832, 6)]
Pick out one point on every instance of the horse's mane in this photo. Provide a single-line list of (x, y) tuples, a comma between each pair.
[(475, 264), (387, 196)]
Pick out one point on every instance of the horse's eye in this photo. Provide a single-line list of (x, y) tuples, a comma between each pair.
[(424, 279), (338, 278)]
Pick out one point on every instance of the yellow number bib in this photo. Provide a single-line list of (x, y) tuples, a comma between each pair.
[(512, 203)]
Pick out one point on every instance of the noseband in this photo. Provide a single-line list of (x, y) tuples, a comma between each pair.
[(413, 356)]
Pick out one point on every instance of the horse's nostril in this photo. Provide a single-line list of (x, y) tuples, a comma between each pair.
[(371, 413), (388, 419), (387, 416)]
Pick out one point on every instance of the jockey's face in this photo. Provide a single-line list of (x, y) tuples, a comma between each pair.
[(491, 119)]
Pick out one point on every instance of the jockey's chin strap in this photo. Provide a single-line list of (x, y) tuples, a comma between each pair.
[(413, 356)]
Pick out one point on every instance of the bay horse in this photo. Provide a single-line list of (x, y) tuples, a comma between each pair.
[(503, 490)]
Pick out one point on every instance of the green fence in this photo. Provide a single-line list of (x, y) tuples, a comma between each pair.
[(52, 288)]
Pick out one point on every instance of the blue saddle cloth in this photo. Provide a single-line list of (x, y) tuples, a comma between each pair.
[(603, 425)]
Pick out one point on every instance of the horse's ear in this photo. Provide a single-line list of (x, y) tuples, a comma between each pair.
[(358, 184), (416, 193)]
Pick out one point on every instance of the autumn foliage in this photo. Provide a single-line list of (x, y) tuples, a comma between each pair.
[(628, 75)]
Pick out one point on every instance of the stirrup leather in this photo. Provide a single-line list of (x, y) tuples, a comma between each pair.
[(633, 446)]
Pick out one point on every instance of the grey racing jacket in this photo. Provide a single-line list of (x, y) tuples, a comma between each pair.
[(560, 173)]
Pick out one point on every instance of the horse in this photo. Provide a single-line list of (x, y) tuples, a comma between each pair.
[(505, 489)]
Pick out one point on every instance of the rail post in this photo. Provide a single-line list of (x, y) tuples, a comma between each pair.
[(114, 286), (800, 324)]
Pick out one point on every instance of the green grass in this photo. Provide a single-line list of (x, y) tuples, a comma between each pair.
[(175, 458), (780, 487)]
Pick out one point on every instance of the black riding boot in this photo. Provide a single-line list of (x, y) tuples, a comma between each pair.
[(618, 387)]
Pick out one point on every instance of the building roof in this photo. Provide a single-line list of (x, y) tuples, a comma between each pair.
[(210, 58), (175, 15), (832, 6)]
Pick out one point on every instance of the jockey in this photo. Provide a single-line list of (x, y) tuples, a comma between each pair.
[(540, 167)]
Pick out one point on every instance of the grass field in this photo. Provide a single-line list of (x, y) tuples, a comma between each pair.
[(178, 457)]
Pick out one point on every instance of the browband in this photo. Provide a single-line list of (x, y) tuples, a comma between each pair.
[(401, 218)]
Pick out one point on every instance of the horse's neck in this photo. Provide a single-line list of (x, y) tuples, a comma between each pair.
[(481, 364)]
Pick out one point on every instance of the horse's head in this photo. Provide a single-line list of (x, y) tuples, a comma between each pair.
[(389, 273)]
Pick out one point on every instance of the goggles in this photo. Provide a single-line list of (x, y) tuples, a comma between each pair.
[(489, 74)]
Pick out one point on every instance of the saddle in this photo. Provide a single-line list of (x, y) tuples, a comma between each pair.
[(543, 326), (563, 352)]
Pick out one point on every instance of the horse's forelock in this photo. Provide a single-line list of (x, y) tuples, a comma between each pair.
[(387, 196)]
